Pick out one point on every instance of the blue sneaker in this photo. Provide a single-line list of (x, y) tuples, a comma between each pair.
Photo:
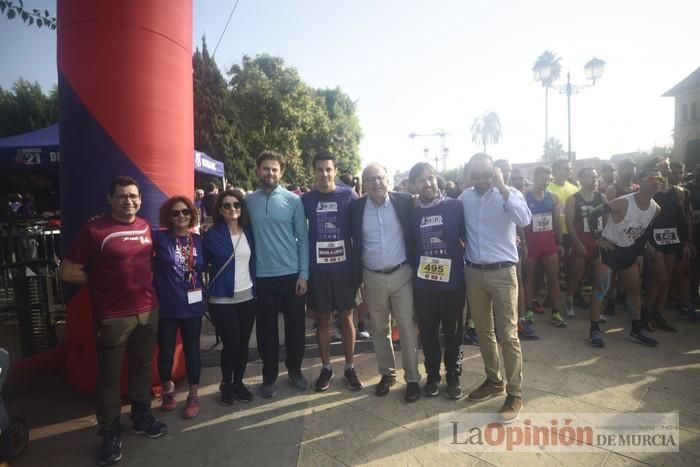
[(643, 339), (597, 338), (471, 337), (526, 330), (689, 312), (111, 449), (148, 426)]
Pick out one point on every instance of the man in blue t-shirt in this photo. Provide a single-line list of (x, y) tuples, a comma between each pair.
[(438, 289), (327, 208)]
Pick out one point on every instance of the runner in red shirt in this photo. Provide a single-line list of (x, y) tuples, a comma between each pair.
[(112, 257)]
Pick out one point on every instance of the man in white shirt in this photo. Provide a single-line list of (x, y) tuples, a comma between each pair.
[(492, 211)]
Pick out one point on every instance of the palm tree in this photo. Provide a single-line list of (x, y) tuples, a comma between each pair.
[(486, 129), (547, 59), (552, 151)]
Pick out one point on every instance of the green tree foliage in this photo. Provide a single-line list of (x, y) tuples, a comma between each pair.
[(16, 10), (25, 107), (276, 110), (215, 131), (486, 129), (553, 150)]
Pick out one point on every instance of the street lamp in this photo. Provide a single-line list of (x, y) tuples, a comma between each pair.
[(593, 70)]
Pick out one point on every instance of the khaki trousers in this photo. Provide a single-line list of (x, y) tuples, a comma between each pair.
[(493, 301), (391, 296)]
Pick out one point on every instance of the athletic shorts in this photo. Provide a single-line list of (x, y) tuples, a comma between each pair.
[(589, 243), (622, 258), (330, 291), (541, 245)]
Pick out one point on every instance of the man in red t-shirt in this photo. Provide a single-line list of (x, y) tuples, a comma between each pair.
[(111, 256)]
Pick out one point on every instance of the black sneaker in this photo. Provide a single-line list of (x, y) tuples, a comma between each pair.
[(412, 392), (643, 339), (352, 380), (431, 389), (242, 392), (226, 394), (148, 426), (324, 380), (454, 387), (111, 449)]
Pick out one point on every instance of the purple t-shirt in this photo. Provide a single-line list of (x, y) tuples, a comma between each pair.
[(329, 228), (174, 273), (438, 230)]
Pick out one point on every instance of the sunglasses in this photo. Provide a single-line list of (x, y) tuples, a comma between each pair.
[(177, 212), (235, 205)]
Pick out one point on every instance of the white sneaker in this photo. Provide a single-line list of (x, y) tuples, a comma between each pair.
[(570, 313), (363, 334)]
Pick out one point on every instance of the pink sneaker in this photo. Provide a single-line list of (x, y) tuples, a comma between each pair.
[(168, 402), (191, 407)]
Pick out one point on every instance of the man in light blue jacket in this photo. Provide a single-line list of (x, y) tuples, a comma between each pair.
[(282, 270)]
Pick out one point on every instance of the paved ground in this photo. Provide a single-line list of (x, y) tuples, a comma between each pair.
[(338, 427)]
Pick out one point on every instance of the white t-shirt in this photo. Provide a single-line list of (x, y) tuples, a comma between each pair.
[(242, 283)]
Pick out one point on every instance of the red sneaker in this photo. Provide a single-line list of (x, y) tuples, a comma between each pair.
[(168, 402), (191, 407), (537, 307)]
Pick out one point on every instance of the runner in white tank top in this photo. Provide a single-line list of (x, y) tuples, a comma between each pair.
[(621, 245)]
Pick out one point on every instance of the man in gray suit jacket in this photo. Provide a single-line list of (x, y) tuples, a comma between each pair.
[(383, 242)]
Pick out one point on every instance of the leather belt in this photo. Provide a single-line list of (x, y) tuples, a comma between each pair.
[(388, 270), (491, 266)]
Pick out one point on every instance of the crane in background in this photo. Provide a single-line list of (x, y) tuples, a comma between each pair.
[(444, 150)]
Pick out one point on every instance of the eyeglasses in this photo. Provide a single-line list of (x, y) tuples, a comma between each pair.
[(654, 179), (177, 212), (131, 196), (235, 205), (378, 179)]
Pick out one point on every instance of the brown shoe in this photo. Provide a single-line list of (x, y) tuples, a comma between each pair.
[(487, 390), (511, 409), (384, 384)]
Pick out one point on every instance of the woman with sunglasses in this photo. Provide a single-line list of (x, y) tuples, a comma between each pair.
[(177, 277), (230, 255)]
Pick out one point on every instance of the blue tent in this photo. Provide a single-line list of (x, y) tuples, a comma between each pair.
[(41, 149)]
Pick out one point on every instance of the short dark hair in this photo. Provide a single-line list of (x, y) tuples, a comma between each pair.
[(581, 173), (627, 163), (324, 156), (559, 162), (607, 167), (500, 163), (244, 220), (122, 180), (542, 169), (166, 221), (418, 169), (645, 172), (654, 162), (268, 155)]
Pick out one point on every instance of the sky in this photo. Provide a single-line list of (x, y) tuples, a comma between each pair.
[(426, 66)]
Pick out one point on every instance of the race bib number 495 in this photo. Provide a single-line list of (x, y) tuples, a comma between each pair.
[(434, 269)]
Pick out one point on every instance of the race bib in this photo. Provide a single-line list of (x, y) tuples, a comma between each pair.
[(587, 228), (666, 236), (696, 217), (542, 222), (330, 252), (194, 296), (434, 269)]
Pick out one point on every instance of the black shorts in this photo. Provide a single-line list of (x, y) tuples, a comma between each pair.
[(330, 291), (622, 258)]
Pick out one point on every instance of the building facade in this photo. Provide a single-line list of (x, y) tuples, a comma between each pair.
[(686, 129)]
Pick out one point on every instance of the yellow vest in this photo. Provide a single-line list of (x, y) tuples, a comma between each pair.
[(563, 192)]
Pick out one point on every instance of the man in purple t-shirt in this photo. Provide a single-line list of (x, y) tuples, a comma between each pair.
[(327, 208), (438, 288)]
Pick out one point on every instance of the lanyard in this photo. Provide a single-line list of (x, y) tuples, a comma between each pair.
[(187, 253)]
